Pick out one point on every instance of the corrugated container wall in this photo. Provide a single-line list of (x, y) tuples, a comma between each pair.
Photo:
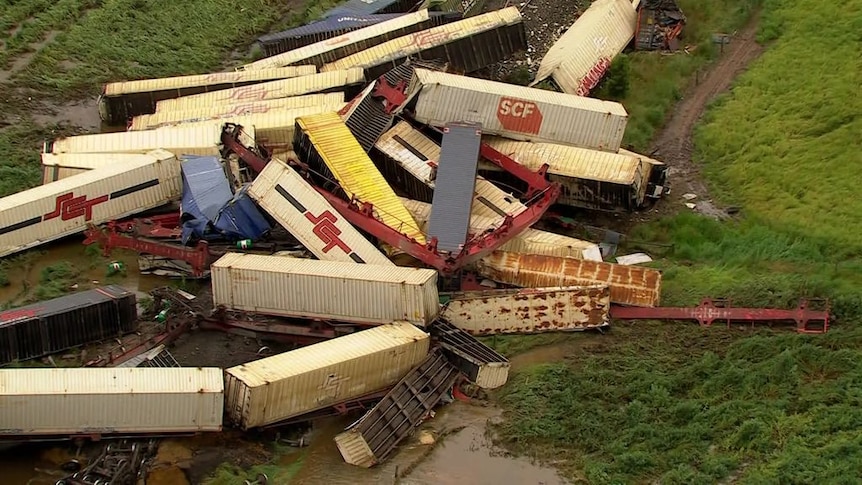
[(535, 310), (277, 388), (196, 140), (323, 82), (123, 100), (579, 59), (517, 112), (630, 285), (590, 179), (300, 209), (241, 108), (65, 207), (347, 292), (330, 50), (88, 401), (320, 30), (528, 241), (59, 166), (467, 45)]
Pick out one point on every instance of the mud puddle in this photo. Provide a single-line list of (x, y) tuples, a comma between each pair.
[(24, 271), (84, 114), (33, 464)]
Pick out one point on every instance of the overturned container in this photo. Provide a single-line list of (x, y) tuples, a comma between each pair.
[(330, 290), (63, 165), (294, 383)]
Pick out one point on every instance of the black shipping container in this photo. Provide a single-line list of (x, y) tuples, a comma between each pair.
[(60, 324)]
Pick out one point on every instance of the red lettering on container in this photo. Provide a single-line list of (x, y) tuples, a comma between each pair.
[(246, 109), (593, 77), (224, 77), (519, 115), (326, 231), (67, 206), (249, 92), (423, 39)]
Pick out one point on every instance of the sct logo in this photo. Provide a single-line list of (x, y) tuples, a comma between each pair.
[(67, 206), (326, 231), (519, 115)]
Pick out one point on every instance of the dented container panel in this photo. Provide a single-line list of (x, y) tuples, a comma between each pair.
[(242, 108), (195, 140), (304, 288), (65, 207), (630, 285), (294, 383), (300, 209), (111, 400), (518, 112), (579, 59), (535, 310), (528, 241), (59, 166), (328, 81)]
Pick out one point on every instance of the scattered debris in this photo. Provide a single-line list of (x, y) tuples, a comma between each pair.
[(635, 258)]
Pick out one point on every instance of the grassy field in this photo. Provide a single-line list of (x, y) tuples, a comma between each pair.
[(673, 403)]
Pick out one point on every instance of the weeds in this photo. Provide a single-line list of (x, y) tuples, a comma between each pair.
[(228, 474), (56, 280)]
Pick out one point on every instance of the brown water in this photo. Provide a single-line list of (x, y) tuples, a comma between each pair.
[(33, 464), (26, 269)]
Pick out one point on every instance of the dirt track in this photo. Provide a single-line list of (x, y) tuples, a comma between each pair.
[(674, 144)]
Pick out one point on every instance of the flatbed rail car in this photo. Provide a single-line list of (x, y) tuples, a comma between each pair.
[(517, 112), (63, 165), (350, 43), (62, 403), (302, 381), (321, 30), (239, 108), (590, 179), (69, 321), (328, 290), (467, 45), (121, 101), (195, 140), (293, 203), (579, 60), (349, 81), (66, 207), (528, 241)]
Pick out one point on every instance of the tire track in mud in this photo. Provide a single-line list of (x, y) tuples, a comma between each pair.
[(675, 143)]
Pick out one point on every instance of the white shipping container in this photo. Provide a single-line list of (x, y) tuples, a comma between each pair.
[(533, 310), (261, 121), (283, 386), (239, 108), (194, 140), (65, 207), (528, 241), (88, 401), (517, 112), (329, 290), (63, 165), (269, 90), (300, 209)]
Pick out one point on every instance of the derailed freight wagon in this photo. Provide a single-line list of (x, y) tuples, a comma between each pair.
[(329, 290), (516, 112), (331, 50), (467, 45), (181, 140), (93, 402), (240, 108), (368, 7), (65, 207), (533, 310), (589, 179), (300, 209), (69, 321), (328, 28), (301, 381), (63, 165), (122, 100), (348, 81)]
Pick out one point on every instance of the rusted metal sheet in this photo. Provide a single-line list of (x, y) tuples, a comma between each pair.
[(533, 310), (630, 285), (375, 435)]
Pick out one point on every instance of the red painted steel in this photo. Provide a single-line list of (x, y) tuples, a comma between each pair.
[(807, 319), (394, 95)]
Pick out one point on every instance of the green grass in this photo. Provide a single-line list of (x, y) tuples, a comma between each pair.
[(657, 81), (664, 402), (24, 24), (228, 474)]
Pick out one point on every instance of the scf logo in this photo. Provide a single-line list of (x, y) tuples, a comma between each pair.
[(519, 115)]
